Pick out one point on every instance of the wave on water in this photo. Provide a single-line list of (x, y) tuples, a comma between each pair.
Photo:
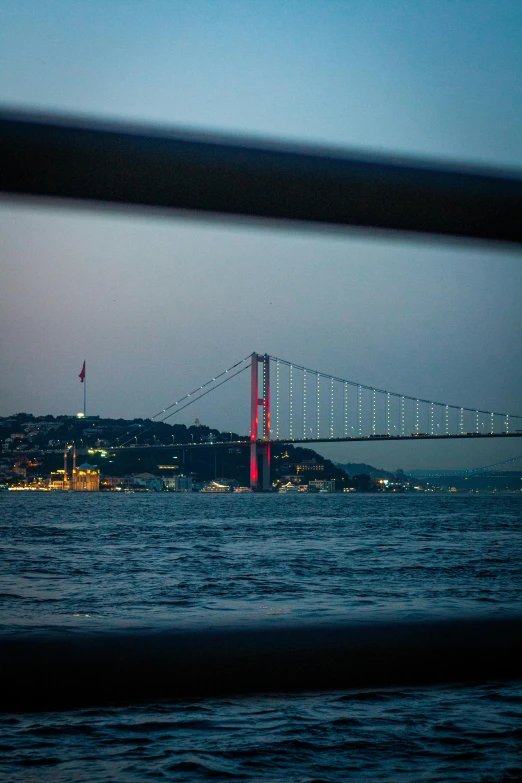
[(156, 561)]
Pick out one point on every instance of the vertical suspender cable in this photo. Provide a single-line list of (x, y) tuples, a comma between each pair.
[(345, 410), (331, 407), (318, 403), (291, 401), (304, 403), (277, 399)]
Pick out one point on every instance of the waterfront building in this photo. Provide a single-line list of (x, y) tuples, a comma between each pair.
[(178, 483), (327, 485), (86, 478), (308, 465), (147, 481), (112, 483), (58, 480), (292, 478)]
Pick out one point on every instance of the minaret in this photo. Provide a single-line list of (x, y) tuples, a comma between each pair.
[(65, 469)]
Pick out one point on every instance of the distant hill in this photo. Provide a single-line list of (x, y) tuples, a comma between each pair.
[(439, 473), (490, 481), (358, 468)]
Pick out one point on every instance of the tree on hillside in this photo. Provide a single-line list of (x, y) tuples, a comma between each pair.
[(363, 483)]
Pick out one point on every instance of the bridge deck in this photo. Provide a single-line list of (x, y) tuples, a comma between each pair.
[(290, 441), (354, 439)]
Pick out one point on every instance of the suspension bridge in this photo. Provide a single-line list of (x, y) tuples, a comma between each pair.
[(291, 403)]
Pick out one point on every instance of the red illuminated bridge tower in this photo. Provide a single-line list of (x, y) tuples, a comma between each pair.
[(260, 446)]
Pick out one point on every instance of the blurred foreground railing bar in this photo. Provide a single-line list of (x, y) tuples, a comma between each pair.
[(67, 158), (67, 669)]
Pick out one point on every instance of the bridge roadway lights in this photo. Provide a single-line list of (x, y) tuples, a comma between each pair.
[(57, 669)]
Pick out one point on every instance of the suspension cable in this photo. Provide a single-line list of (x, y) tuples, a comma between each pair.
[(225, 380), (384, 391), (200, 387), (195, 399)]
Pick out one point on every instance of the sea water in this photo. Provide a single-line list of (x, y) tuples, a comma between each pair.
[(120, 560)]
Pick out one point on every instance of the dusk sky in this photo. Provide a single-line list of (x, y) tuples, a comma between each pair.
[(157, 305)]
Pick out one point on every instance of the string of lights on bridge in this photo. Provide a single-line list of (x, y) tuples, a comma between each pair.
[(307, 411), (317, 405), (195, 394)]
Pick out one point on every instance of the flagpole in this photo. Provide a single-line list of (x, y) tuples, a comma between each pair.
[(84, 394)]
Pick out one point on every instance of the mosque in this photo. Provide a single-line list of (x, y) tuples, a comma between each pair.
[(85, 478)]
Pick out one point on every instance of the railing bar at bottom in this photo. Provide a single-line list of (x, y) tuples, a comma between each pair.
[(60, 669)]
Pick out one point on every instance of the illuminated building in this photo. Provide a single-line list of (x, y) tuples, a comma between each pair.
[(86, 478), (58, 480), (307, 465), (147, 481), (327, 485), (111, 483)]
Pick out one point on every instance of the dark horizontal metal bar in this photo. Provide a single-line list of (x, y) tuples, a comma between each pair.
[(64, 669), (75, 159)]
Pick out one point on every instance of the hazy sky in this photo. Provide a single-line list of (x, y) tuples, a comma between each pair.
[(158, 305)]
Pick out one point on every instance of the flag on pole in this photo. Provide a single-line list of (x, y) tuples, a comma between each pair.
[(82, 374)]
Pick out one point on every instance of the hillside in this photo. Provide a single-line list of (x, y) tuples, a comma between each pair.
[(36, 444), (360, 468)]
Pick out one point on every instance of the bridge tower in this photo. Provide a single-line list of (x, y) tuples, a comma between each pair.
[(263, 445)]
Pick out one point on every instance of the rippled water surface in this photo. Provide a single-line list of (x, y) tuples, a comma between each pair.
[(113, 560)]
